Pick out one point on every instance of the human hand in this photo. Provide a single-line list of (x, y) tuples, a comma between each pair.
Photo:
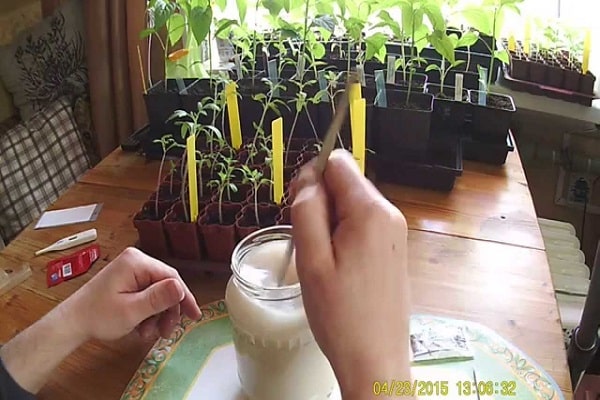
[(134, 291), (351, 257)]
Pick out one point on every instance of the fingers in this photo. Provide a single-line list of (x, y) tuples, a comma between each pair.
[(148, 328), (310, 224), (149, 271), (168, 320), (155, 299), (349, 190)]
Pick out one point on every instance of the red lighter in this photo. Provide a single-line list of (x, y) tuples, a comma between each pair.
[(72, 265)]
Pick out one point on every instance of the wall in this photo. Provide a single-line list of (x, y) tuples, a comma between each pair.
[(536, 136)]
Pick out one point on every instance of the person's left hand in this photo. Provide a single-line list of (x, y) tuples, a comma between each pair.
[(134, 291)]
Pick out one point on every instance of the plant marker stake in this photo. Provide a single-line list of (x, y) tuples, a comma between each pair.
[(512, 43), (190, 147), (458, 87), (181, 86), (273, 75), (482, 95), (355, 93), (381, 98), (360, 69), (233, 113), (527, 38), (391, 69), (323, 86), (358, 120), (277, 129), (300, 67), (238, 66), (587, 48), (142, 69)]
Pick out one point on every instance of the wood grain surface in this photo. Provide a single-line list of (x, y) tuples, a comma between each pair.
[(466, 261)]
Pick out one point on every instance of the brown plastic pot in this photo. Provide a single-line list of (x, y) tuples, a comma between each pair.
[(184, 237), (572, 79), (265, 195), (538, 72), (556, 76), (167, 193), (246, 219), (519, 68), (152, 239), (587, 83), (219, 238)]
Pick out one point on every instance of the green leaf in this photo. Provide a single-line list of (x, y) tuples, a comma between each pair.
[(502, 55), (388, 21), (162, 11), (242, 7), (287, 5), (434, 14), (324, 7), (432, 67), (200, 20), (222, 4), (375, 44), (467, 39), (479, 19), (324, 21), (318, 50), (443, 45), (146, 32), (273, 6), (175, 27), (223, 26)]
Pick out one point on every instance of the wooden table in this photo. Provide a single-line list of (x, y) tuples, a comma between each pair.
[(475, 253)]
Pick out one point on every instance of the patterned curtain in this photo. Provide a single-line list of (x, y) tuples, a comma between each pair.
[(115, 75)]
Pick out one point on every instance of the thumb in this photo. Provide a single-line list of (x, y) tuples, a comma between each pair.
[(157, 298), (311, 228)]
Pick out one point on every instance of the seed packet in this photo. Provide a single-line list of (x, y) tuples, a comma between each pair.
[(438, 342)]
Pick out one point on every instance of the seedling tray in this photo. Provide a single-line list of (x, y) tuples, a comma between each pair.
[(489, 153), (436, 169), (547, 91)]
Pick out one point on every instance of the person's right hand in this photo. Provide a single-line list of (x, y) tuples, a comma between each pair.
[(351, 256)]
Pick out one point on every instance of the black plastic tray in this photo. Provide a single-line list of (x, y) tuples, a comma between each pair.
[(546, 91), (489, 153), (436, 169)]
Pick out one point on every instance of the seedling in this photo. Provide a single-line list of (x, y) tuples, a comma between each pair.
[(167, 143), (488, 18), (256, 179), (446, 46), (223, 183)]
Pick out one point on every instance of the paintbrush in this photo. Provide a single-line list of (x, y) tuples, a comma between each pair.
[(328, 145)]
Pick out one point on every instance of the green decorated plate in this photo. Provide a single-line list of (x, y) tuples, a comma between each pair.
[(198, 362)]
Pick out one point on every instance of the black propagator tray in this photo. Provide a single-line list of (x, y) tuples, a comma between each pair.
[(489, 153), (436, 169)]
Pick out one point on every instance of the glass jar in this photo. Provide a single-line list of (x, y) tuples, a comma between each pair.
[(277, 355)]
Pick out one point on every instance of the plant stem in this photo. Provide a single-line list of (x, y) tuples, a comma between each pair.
[(492, 57), (291, 134), (256, 204), (221, 206), (410, 75), (442, 75), (183, 183), (162, 163)]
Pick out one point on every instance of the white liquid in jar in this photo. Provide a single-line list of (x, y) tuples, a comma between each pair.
[(278, 357)]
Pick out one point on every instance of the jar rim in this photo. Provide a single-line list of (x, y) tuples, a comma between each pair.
[(276, 293)]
